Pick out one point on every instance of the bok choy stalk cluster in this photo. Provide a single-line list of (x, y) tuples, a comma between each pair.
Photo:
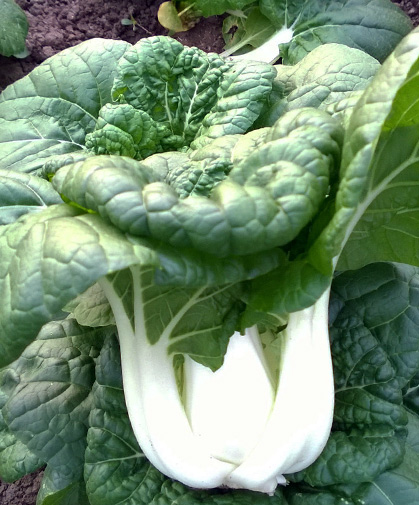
[(200, 206)]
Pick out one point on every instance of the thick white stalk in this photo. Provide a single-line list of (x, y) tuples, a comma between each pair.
[(300, 422), (228, 408), (154, 405), (268, 52)]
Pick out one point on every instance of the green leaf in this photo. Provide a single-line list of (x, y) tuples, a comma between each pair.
[(23, 193), (13, 28), (270, 195), (46, 114), (374, 26), (378, 180), (48, 391), (16, 460), (75, 250), (324, 77)]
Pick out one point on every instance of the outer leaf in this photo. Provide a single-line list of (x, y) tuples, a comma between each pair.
[(16, 460), (75, 251), (23, 193), (44, 114), (13, 28), (372, 169), (397, 487), (373, 312), (48, 389)]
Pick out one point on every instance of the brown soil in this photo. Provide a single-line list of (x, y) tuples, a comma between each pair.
[(58, 24)]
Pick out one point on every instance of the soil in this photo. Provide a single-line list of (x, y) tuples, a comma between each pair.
[(58, 24)]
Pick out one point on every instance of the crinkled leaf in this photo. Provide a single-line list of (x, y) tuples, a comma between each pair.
[(270, 195), (189, 93), (48, 391), (13, 28)]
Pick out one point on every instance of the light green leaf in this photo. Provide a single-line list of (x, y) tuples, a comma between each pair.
[(270, 195), (13, 28), (91, 308), (325, 76)]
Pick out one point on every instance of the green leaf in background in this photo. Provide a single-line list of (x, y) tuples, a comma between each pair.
[(246, 31), (14, 28), (213, 8), (374, 26)]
